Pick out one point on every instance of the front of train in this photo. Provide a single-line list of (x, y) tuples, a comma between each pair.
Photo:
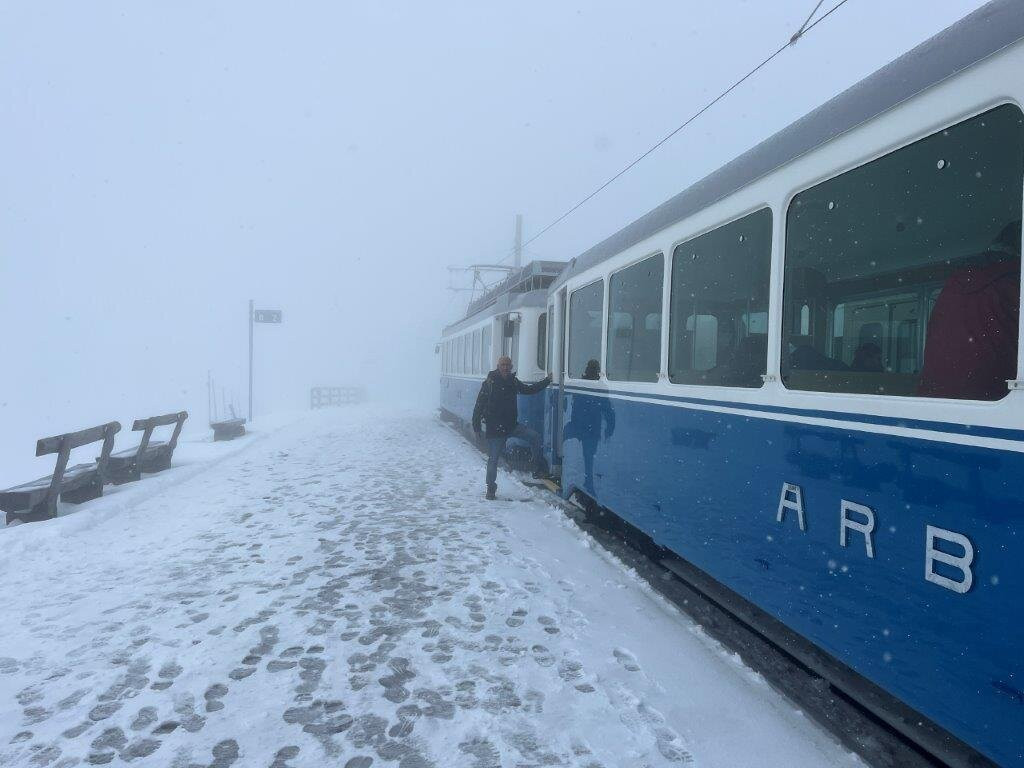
[(508, 320)]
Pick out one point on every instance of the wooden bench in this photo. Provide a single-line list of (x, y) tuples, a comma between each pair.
[(150, 455), (228, 429), (38, 500)]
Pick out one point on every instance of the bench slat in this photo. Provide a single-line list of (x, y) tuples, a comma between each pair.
[(159, 421), (131, 453), (76, 439), (71, 476)]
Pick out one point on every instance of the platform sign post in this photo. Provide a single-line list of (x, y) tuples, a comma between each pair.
[(259, 316)]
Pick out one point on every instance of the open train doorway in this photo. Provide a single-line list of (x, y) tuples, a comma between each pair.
[(556, 358)]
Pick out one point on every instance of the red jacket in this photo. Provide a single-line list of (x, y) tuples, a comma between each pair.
[(971, 347)]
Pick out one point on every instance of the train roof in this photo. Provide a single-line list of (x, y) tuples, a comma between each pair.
[(524, 287), (975, 37)]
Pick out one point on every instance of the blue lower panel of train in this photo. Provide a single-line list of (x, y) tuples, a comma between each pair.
[(712, 485)]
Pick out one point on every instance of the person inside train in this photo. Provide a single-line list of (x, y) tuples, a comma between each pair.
[(588, 415), (803, 356), (971, 344), (497, 407), (867, 358)]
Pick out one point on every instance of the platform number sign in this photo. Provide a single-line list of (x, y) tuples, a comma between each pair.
[(267, 316)]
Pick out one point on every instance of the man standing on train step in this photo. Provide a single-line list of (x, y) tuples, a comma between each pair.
[(496, 406)]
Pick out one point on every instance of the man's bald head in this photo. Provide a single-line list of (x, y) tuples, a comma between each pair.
[(505, 365)]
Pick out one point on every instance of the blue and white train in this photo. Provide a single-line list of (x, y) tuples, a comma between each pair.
[(508, 320), (810, 380)]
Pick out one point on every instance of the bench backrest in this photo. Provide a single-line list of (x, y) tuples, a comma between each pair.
[(146, 426), (62, 445), (227, 422), (77, 439)]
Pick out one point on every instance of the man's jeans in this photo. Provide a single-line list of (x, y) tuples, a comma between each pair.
[(495, 445)]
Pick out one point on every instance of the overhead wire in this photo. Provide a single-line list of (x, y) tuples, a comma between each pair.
[(806, 27)]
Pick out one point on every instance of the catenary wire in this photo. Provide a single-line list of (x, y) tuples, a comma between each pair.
[(806, 27)]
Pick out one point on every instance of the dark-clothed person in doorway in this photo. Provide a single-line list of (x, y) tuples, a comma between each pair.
[(497, 408)]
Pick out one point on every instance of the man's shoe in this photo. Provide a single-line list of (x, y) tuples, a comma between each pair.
[(491, 490)]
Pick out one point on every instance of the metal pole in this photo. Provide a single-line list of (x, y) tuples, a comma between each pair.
[(250, 357), (519, 240)]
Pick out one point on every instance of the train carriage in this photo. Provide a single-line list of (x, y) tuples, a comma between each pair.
[(809, 379), (510, 319)]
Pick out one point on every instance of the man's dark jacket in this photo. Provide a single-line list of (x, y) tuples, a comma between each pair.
[(496, 403)]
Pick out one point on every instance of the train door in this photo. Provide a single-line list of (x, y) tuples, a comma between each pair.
[(557, 358)]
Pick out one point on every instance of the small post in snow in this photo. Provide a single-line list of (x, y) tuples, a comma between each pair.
[(250, 357)]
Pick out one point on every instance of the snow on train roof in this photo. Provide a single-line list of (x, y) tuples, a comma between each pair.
[(504, 303), (978, 35)]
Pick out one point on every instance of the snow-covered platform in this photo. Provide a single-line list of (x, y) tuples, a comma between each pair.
[(339, 593)]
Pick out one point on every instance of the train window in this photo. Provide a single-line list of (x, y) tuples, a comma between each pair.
[(634, 321), (902, 276), (467, 353), (585, 314), (476, 351), (550, 339), (485, 354), (542, 339), (444, 356), (718, 318)]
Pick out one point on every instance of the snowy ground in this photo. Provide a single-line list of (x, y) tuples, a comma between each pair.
[(338, 593)]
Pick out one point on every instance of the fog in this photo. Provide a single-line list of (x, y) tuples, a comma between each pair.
[(162, 164)]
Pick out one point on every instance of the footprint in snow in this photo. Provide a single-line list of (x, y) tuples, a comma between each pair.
[(626, 659)]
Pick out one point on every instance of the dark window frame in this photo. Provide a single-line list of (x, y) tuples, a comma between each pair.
[(601, 331), (762, 208), (607, 321), (477, 344), (922, 289)]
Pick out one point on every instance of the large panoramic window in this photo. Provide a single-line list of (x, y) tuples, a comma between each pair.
[(718, 321), (585, 313), (903, 275), (634, 321)]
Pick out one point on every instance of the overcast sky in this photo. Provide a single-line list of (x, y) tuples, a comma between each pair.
[(162, 163)]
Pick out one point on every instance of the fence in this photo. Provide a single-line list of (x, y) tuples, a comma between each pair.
[(332, 397)]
